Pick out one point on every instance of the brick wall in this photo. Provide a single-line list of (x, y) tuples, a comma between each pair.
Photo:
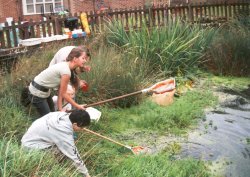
[(34, 17), (126, 3), (81, 6), (13, 8), (9, 8), (89, 5)]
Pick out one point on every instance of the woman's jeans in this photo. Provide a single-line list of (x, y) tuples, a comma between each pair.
[(43, 105)]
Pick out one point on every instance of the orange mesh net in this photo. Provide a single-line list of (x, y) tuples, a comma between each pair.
[(138, 150), (164, 86)]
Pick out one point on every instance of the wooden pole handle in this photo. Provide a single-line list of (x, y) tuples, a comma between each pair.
[(113, 99), (104, 137)]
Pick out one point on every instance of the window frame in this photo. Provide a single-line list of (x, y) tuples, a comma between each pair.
[(44, 2)]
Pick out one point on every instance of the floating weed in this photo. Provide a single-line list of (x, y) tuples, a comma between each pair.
[(248, 140)]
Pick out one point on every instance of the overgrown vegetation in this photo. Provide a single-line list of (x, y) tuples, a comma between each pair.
[(129, 62), (114, 74), (179, 47), (158, 165), (229, 52), (16, 161), (150, 116)]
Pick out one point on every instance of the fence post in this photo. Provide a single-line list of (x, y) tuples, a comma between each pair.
[(15, 37), (38, 30), (58, 26), (43, 27), (190, 12), (126, 19), (226, 13), (48, 26), (92, 21), (26, 30), (2, 41), (53, 25), (140, 16), (152, 12), (148, 21), (8, 35), (167, 15), (32, 30)]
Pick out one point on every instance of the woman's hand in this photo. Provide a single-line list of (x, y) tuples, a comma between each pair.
[(81, 106), (83, 85), (85, 68)]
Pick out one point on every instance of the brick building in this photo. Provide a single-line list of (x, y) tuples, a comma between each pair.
[(27, 9)]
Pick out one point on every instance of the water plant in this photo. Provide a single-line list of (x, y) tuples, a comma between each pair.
[(176, 47), (114, 74)]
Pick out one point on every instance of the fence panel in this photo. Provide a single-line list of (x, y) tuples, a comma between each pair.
[(133, 17), (13, 29), (8, 36)]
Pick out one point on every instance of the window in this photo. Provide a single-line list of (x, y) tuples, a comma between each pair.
[(31, 7)]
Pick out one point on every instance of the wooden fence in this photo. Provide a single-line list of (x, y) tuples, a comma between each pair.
[(133, 17)]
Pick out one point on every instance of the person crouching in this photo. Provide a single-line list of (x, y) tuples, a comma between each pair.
[(55, 131)]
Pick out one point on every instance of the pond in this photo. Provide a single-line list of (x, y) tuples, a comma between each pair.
[(224, 136)]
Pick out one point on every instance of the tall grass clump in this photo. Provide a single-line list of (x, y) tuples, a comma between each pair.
[(114, 74), (177, 47), (158, 166), (16, 161), (176, 118), (13, 117), (30, 65), (229, 53)]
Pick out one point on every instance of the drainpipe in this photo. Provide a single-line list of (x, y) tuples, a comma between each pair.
[(93, 4), (69, 5), (19, 9)]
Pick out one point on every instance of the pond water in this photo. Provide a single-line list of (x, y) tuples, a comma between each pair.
[(224, 136)]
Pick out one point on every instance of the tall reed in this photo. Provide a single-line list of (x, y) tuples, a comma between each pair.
[(113, 74), (176, 47)]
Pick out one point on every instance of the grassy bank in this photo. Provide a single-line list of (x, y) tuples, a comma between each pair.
[(125, 64)]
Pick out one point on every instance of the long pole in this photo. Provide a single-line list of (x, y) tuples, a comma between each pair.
[(104, 137), (112, 99)]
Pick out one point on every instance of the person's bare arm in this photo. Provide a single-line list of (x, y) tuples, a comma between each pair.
[(62, 94)]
